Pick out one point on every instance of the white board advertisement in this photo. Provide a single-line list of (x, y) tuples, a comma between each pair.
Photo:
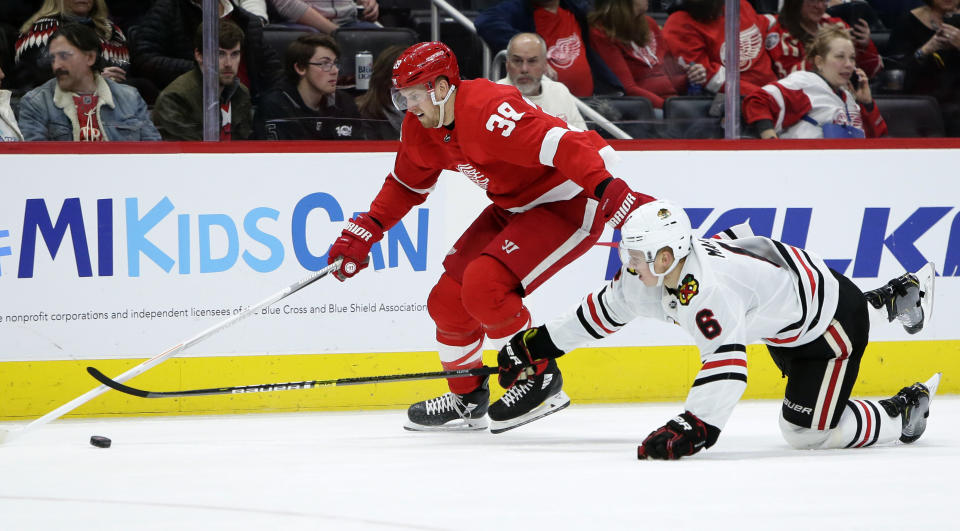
[(122, 256)]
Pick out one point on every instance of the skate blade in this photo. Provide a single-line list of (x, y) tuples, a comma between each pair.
[(457, 425), (926, 276), (548, 407), (932, 384)]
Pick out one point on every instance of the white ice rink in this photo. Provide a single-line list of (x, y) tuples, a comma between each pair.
[(574, 470)]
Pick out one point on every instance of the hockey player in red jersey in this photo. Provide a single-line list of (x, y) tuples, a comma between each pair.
[(732, 291), (551, 194)]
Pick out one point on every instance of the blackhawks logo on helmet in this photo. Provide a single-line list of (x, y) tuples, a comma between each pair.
[(687, 289)]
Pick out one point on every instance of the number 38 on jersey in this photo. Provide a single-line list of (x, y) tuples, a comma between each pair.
[(504, 119)]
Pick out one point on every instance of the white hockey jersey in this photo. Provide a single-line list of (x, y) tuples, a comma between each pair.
[(731, 293)]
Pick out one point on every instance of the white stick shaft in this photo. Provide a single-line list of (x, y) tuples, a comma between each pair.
[(7, 435)]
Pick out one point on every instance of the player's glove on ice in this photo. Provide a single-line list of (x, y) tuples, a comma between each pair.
[(524, 355), (617, 201), (684, 435), (354, 246)]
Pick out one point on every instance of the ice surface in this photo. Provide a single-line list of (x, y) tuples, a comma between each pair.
[(573, 470)]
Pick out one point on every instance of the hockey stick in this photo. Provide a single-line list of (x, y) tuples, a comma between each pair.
[(8, 435), (289, 386)]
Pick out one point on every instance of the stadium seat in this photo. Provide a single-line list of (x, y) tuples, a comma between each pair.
[(688, 117), (633, 114), (279, 36), (911, 116), (353, 40)]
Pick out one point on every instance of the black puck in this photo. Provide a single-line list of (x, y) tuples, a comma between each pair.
[(100, 442)]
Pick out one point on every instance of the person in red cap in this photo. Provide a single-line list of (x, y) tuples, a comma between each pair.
[(551, 194)]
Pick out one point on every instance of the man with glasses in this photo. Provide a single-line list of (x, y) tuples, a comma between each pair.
[(309, 106), (179, 109), (527, 69), (79, 104)]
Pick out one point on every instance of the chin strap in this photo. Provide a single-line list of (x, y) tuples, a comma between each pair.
[(441, 104)]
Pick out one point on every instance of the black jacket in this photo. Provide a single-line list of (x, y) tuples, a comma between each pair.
[(282, 115), (163, 45)]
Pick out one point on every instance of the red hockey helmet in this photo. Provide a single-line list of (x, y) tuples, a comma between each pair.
[(423, 63)]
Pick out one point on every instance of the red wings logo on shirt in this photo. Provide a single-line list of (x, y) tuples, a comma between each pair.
[(647, 54), (564, 52), (751, 42)]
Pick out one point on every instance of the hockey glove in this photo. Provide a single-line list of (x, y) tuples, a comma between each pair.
[(525, 349), (354, 245), (618, 201), (684, 435)]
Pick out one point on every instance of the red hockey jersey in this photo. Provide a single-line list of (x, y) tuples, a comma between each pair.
[(521, 156), (647, 71), (787, 52), (703, 43)]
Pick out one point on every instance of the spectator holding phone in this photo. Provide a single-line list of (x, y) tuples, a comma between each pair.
[(795, 27), (833, 101), (928, 40)]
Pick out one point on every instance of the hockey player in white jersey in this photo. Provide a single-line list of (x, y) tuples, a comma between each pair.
[(731, 291)]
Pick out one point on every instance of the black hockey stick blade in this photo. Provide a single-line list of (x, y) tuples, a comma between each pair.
[(288, 386)]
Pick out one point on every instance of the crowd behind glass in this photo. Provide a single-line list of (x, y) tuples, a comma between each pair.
[(121, 70)]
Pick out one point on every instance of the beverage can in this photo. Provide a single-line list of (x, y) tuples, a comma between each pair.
[(364, 67)]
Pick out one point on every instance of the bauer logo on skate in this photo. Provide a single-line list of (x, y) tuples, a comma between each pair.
[(187, 243)]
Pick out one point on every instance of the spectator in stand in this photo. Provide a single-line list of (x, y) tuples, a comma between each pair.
[(80, 104), (33, 63), (795, 26), (833, 101), (179, 109), (9, 131), (928, 39), (127, 13), (309, 106), (255, 7), (12, 16), (381, 119), (164, 47), (695, 34), (563, 25), (328, 15), (632, 45), (526, 70)]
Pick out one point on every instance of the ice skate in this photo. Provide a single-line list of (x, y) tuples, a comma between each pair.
[(908, 298), (530, 399), (451, 412), (913, 405)]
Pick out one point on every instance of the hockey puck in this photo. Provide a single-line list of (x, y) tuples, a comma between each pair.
[(100, 442)]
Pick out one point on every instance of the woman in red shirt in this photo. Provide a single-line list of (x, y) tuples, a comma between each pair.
[(632, 45)]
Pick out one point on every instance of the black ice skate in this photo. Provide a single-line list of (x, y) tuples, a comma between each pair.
[(908, 298), (530, 399), (913, 405), (451, 412)]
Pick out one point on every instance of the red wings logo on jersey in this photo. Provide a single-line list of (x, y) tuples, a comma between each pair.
[(647, 54), (688, 288), (475, 176), (751, 42), (564, 52)]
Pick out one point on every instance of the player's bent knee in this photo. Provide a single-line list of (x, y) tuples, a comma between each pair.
[(446, 309), (801, 438), (490, 290)]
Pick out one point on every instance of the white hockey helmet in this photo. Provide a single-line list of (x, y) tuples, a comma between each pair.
[(652, 227)]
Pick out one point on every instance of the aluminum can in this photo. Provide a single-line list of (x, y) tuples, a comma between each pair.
[(364, 67)]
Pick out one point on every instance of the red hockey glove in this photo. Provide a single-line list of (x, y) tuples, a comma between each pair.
[(524, 355), (618, 201), (684, 435), (354, 245)]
